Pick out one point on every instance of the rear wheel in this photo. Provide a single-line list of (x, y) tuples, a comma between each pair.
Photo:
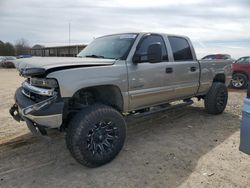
[(239, 81), (216, 99), (96, 135)]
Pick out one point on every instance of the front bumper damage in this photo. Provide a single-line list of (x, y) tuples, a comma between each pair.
[(38, 115)]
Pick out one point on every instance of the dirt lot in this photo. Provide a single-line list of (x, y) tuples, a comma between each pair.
[(181, 148)]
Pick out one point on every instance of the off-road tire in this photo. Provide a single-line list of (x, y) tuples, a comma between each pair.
[(90, 133), (216, 99), (242, 78)]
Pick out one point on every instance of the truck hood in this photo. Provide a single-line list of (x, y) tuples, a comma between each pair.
[(59, 62)]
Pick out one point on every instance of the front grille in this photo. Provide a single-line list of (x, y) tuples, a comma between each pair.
[(26, 92), (37, 94), (34, 97)]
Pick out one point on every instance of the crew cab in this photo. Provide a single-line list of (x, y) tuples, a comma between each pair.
[(115, 77)]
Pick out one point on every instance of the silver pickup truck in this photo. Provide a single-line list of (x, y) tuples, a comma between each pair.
[(115, 77)]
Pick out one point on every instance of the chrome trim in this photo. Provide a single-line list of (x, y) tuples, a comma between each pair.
[(37, 90), (50, 121), (26, 94), (38, 106)]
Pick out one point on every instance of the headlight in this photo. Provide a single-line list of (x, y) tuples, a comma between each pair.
[(44, 82)]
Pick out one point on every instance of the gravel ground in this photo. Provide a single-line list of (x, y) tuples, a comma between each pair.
[(180, 148)]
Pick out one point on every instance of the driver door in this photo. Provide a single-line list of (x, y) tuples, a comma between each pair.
[(147, 85)]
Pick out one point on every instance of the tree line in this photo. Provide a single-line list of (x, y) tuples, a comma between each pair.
[(21, 47)]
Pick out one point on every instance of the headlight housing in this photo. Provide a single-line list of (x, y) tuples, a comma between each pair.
[(44, 82)]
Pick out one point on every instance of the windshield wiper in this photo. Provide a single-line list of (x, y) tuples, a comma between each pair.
[(95, 56)]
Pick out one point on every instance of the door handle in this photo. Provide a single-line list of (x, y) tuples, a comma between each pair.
[(193, 69), (169, 70)]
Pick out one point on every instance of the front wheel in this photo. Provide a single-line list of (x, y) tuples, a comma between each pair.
[(96, 135), (216, 99)]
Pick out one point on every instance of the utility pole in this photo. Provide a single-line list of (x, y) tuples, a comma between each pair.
[(69, 38)]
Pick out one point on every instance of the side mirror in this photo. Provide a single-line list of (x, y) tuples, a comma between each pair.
[(136, 58), (154, 53)]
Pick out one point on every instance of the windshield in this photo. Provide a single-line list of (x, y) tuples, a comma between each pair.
[(243, 60), (110, 47)]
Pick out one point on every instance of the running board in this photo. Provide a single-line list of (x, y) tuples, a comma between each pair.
[(159, 109)]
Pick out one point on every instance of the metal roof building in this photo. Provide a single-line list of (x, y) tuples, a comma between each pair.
[(63, 51)]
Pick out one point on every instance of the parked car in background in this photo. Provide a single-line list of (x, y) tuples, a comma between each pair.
[(241, 72), (24, 56), (217, 56), (2, 58), (8, 62)]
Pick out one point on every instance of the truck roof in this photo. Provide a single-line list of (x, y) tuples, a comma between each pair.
[(142, 33)]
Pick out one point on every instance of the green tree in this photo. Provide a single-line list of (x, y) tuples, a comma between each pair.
[(9, 49), (1, 48), (6, 49)]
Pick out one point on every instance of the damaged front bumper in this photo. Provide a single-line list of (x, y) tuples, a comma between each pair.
[(41, 115)]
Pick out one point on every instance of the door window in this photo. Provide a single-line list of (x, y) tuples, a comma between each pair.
[(147, 41)]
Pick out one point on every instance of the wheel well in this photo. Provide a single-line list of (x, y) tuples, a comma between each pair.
[(106, 94), (240, 72), (220, 78)]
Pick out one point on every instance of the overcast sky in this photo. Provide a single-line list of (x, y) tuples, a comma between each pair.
[(214, 26)]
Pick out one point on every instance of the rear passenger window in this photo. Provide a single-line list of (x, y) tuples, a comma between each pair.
[(181, 49)]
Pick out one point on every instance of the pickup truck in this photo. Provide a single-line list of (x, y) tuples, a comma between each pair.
[(115, 77)]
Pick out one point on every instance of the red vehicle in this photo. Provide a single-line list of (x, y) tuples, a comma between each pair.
[(241, 72)]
